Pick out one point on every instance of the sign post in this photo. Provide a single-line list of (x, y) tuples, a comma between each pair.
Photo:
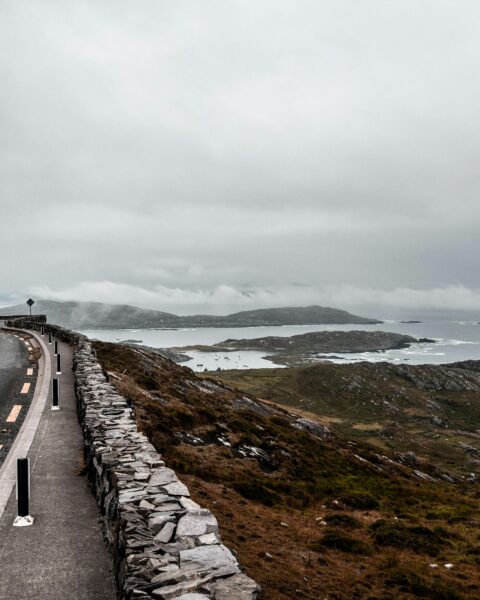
[(30, 303)]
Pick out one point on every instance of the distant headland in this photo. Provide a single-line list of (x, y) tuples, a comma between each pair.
[(96, 315)]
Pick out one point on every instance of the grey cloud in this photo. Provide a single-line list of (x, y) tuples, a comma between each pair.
[(234, 143)]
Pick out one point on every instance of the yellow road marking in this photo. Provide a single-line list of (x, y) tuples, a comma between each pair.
[(12, 417), (29, 371), (25, 388)]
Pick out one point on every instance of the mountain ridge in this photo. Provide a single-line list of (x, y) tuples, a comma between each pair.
[(92, 315)]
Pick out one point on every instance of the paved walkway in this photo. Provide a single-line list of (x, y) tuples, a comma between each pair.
[(62, 555)]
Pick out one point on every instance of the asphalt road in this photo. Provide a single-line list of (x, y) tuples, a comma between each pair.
[(14, 363)]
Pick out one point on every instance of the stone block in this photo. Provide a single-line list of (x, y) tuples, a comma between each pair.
[(196, 524)]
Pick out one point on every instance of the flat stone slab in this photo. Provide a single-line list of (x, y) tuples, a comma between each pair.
[(166, 533), (238, 587), (163, 476), (157, 523), (177, 489), (196, 524), (208, 558)]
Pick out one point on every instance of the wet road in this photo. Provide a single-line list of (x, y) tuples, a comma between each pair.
[(17, 382)]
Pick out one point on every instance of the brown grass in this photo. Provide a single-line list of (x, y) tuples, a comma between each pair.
[(309, 483)]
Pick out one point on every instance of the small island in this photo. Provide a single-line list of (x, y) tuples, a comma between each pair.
[(311, 347)]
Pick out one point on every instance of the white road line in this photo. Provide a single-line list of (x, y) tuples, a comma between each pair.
[(25, 388), (12, 417)]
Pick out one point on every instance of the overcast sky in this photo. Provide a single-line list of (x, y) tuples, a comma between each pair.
[(226, 154)]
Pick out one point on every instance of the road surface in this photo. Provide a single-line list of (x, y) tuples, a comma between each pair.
[(17, 383)]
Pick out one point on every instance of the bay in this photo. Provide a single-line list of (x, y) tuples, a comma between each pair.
[(455, 341)]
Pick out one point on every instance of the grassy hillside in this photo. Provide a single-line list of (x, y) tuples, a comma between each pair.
[(311, 515), (432, 411)]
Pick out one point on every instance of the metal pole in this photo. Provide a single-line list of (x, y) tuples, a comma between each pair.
[(49, 337), (23, 493), (59, 370), (56, 347), (55, 395)]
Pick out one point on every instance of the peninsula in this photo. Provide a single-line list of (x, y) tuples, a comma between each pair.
[(96, 315)]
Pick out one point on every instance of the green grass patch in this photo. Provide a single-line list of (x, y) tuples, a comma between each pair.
[(343, 520), (413, 583), (337, 540), (421, 540)]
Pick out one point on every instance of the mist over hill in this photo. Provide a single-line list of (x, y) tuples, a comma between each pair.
[(93, 315)]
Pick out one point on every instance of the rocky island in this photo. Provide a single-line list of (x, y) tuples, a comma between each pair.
[(305, 348)]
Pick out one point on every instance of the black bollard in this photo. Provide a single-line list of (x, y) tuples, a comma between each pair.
[(42, 330), (23, 493), (56, 347), (49, 337), (59, 370), (55, 395)]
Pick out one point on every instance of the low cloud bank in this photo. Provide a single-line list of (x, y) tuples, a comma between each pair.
[(227, 298)]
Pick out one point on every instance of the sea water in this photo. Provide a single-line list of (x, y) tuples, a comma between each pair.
[(454, 341)]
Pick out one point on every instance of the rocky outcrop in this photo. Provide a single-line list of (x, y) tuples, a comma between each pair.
[(326, 341), (315, 346), (165, 546)]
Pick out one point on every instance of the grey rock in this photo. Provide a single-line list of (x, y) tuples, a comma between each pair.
[(174, 591), (238, 587), (189, 504), (197, 523), (157, 523), (168, 507), (177, 489), (163, 476), (209, 538), (166, 533), (209, 557)]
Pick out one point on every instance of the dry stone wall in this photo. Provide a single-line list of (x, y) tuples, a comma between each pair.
[(165, 546)]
